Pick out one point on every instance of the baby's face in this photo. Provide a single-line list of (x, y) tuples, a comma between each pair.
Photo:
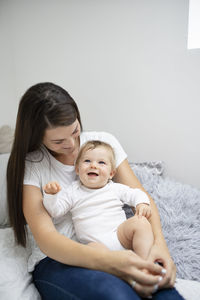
[(95, 168)]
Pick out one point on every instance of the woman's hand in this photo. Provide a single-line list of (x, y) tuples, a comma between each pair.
[(144, 276), (159, 253)]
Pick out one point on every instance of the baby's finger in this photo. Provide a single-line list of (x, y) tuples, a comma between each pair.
[(147, 213), (45, 187), (58, 186), (54, 187), (140, 212), (48, 187)]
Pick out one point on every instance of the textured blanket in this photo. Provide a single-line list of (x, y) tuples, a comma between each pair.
[(179, 208)]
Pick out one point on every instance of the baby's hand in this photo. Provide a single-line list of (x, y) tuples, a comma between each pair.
[(52, 188), (144, 210)]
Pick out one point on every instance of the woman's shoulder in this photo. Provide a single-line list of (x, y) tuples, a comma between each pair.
[(39, 157), (34, 156), (97, 135), (38, 166), (120, 154)]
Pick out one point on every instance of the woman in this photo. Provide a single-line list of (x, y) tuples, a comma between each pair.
[(47, 140)]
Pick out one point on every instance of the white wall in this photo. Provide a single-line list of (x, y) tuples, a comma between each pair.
[(8, 102), (126, 64)]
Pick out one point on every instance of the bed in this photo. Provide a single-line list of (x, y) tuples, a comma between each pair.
[(179, 208)]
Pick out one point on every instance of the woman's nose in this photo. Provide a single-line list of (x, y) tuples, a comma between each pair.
[(69, 143)]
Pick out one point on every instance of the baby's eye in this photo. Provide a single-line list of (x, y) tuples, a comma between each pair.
[(87, 160), (101, 162)]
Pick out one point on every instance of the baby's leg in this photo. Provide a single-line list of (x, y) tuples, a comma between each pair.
[(136, 234)]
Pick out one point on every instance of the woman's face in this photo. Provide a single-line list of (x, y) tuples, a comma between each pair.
[(63, 139)]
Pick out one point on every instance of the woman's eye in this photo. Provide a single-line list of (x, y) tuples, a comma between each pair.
[(59, 142), (101, 162), (75, 131)]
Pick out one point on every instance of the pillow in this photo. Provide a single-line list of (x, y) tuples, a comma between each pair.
[(149, 174), (15, 280), (6, 138), (4, 220), (152, 167)]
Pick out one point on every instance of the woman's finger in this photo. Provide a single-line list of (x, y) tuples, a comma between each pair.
[(172, 281), (134, 267), (142, 290), (170, 277), (153, 268), (139, 265), (144, 278)]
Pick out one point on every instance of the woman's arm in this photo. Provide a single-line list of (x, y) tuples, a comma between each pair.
[(124, 264), (159, 251)]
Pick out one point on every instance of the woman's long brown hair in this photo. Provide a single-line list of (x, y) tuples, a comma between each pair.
[(43, 105)]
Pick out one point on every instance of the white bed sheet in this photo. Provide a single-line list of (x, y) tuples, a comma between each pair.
[(16, 282)]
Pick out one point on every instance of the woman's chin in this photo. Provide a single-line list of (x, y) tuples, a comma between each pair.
[(67, 150)]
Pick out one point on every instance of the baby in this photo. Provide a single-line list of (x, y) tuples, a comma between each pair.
[(96, 202)]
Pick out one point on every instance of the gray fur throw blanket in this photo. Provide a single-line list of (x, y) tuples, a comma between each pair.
[(179, 208)]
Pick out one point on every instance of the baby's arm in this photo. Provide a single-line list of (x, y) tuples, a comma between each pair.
[(137, 199), (54, 201)]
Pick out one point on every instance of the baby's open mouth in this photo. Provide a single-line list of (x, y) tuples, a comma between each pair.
[(93, 174)]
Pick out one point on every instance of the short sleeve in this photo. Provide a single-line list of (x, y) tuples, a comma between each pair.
[(32, 174), (106, 137), (119, 151)]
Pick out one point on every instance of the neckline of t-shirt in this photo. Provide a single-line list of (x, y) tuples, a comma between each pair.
[(59, 163), (83, 187)]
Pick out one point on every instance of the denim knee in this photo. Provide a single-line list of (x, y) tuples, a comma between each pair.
[(167, 294), (59, 281)]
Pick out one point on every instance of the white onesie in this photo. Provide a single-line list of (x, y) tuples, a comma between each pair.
[(96, 213)]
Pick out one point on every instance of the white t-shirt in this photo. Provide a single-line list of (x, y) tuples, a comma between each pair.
[(96, 213), (42, 167)]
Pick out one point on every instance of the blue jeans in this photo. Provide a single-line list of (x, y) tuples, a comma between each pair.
[(57, 281)]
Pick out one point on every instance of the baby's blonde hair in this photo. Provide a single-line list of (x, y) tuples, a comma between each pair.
[(92, 145)]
